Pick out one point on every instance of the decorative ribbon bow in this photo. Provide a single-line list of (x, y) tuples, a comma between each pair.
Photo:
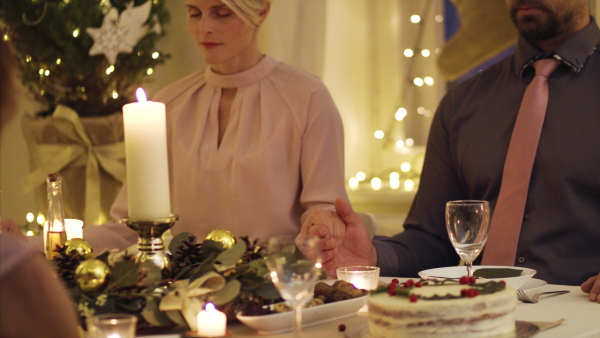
[(52, 158)]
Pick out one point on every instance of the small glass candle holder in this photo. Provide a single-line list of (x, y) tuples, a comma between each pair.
[(111, 325), (362, 277)]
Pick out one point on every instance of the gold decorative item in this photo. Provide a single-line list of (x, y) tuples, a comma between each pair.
[(80, 246), (225, 237), (150, 244), (92, 275)]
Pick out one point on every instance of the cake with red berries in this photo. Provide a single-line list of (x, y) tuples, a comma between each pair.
[(442, 308)]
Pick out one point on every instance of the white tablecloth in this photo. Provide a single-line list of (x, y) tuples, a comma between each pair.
[(581, 318)]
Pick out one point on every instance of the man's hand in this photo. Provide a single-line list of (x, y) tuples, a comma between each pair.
[(592, 286), (344, 239)]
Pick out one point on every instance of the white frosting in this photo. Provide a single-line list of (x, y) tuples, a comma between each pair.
[(481, 316)]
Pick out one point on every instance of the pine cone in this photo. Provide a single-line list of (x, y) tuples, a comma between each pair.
[(253, 251), (67, 263), (187, 253)]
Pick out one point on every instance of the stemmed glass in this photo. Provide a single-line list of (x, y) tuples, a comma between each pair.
[(294, 272), (468, 225)]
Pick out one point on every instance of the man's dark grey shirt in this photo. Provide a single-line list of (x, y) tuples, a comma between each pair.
[(467, 146)]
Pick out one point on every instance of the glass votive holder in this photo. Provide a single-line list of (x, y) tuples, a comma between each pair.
[(362, 277), (111, 325)]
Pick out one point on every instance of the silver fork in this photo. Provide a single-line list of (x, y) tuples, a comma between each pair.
[(522, 296)]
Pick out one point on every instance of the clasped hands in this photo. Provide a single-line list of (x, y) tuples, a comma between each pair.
[(343, 237)]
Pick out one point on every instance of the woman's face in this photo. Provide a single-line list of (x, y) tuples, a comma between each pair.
[(226, 43)]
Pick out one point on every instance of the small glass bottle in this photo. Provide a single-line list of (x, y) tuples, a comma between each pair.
[(57, 232)]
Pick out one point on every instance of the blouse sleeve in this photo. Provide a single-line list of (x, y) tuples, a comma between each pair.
[(322, 159)]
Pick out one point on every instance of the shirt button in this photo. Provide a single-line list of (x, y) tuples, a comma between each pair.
[(525, 217), (521, 259)]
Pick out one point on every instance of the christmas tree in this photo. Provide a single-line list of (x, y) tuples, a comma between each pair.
[(89, 55)]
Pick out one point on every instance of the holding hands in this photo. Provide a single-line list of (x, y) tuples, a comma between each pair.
[(344, 239)]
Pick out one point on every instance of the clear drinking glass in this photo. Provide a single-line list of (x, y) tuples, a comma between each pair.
[(293, 273), (468, 225)]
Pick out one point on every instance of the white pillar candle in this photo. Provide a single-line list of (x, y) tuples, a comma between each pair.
[(147, 162), (211, 322)]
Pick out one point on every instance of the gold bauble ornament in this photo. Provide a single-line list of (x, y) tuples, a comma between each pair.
[(225, 237), (79, 246), (92, 275)]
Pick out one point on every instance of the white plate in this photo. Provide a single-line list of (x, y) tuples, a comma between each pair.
[(533, 284), (282, 322), (459, 271)]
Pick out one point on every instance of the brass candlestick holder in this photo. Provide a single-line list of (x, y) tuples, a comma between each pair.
[(150, 243)]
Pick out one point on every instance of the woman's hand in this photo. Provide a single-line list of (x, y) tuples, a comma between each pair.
[(344, 239), (592, 286)]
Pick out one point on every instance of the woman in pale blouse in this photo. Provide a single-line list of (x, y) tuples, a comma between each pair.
[(255, 145)]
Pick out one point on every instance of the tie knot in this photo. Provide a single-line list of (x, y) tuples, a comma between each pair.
[(545, 67)]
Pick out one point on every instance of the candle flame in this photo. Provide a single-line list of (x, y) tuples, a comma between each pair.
[(141, 95), (209, 307)]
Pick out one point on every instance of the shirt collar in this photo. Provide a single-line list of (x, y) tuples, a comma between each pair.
[(574, 52)]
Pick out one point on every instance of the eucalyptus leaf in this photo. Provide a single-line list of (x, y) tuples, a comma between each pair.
[(210, 247), (153, 315), (228, 293), (204, 267), (178, 240), (267, 290), (229, 258), (497, 272), (125, 273), (153, 273)]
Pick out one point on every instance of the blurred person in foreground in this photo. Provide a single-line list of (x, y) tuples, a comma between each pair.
[(33, 302), (467, 147)]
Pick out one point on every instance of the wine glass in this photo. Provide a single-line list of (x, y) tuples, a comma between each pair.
[(294, 267), (468, 225)]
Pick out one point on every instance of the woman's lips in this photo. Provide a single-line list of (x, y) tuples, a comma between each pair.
[(210, 44)]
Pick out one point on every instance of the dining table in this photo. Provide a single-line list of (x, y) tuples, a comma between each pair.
[(567, 315)]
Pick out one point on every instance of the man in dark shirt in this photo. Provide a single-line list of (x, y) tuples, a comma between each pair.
[(466, 150)]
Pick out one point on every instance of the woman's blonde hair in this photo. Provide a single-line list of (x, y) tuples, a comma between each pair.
[(248, 10)]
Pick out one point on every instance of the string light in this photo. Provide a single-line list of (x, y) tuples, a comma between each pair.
[(429, 81), (400, 114), (415, 18), (58, 61), (115, 95), (353, 183), (409, 142), (28, 59), (405, 167), (376, 183), (41, 219), (110, 69), (5, 37), (155, 55), (409, 53), (418, 82), (439, 18), (425, 52), (361, 176), (76, 33), (379, 134), (150, 71), (409, 185)]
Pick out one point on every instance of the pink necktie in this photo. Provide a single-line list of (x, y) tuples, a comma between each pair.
[(501, 247)]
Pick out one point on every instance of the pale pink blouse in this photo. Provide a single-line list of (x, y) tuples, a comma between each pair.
[(281, 156)]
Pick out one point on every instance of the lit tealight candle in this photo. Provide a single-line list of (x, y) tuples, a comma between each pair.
[(147, 162), (362, 277), (211, 322)]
